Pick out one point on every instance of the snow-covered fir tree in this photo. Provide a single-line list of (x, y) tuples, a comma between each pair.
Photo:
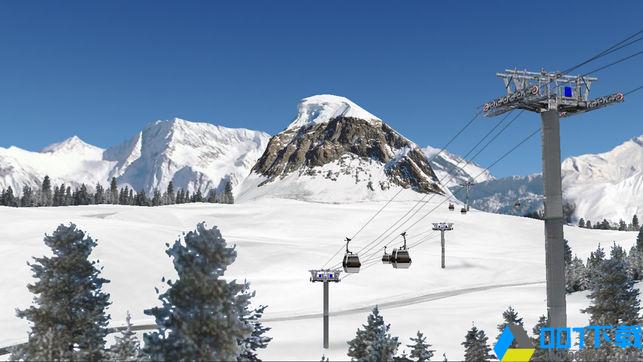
[(568, 252), (635, 223), (68, 319), (383, 346), (575, 276), (476, 346), (126, 347), (509, 316), (402, 358), (420, 348), (613, 298), (252, 317), (374, 329), (540, 354), (614, 301), (200, 317), (594, 262), (227, 197)]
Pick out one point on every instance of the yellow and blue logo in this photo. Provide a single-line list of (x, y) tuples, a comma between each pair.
[(523, 350)]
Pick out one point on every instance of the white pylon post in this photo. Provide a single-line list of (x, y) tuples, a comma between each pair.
[(553, 95), (325, 276), (442, 227)]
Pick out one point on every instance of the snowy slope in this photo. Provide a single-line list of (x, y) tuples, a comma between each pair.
[(602, 186), (492, 261), (192, 155), (453, 169)]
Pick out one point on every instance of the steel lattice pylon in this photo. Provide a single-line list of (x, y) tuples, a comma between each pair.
[(553, 95)]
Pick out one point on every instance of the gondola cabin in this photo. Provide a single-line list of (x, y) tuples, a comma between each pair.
[(386, 258), (351, 263)]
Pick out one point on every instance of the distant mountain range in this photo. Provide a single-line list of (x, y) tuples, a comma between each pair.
[(602, 186), (333, 151), (191, 155)]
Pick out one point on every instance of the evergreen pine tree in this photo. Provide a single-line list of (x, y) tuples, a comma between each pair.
[(375, 328), (540, 354), (141, 199), (68, 320), (594, 262), (568, 252), (82, 196), (199, 318), (614, 299), (69, 200), (403, 358), (198, 197), (8, 199), (251, 317), (179, 196), (383, 346), (27, 199), (156, 198), (476, 346), (575, 276), (635, 263), (126, 347), (99, 195), (581, 223), (227, 193), (170, 194), (605, 225), (187, 198), (635, 222), (212, 196), (113, 191), (588, 224), (45, 192), (420, 348), (622, 226), (509, 316)]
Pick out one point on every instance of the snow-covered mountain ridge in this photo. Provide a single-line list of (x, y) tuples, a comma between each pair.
[(190, 154), (607, 185)]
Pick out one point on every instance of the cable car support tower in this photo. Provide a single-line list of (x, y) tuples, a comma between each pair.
[(553, 95), (325, 276), (442, 227)]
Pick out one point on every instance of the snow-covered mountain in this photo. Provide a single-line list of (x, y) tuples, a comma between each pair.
[(192, 155), (600, 186), (606, 185), (335, 151), (453, 170)]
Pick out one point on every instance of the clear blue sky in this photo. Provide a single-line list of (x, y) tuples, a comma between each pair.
[(104, 69)]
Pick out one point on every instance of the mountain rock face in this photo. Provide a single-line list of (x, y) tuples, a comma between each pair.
[(598, 186), (453, 170), (194, 156), (336, 151)]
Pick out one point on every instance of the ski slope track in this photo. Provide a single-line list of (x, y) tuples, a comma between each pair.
[(492, 261)]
